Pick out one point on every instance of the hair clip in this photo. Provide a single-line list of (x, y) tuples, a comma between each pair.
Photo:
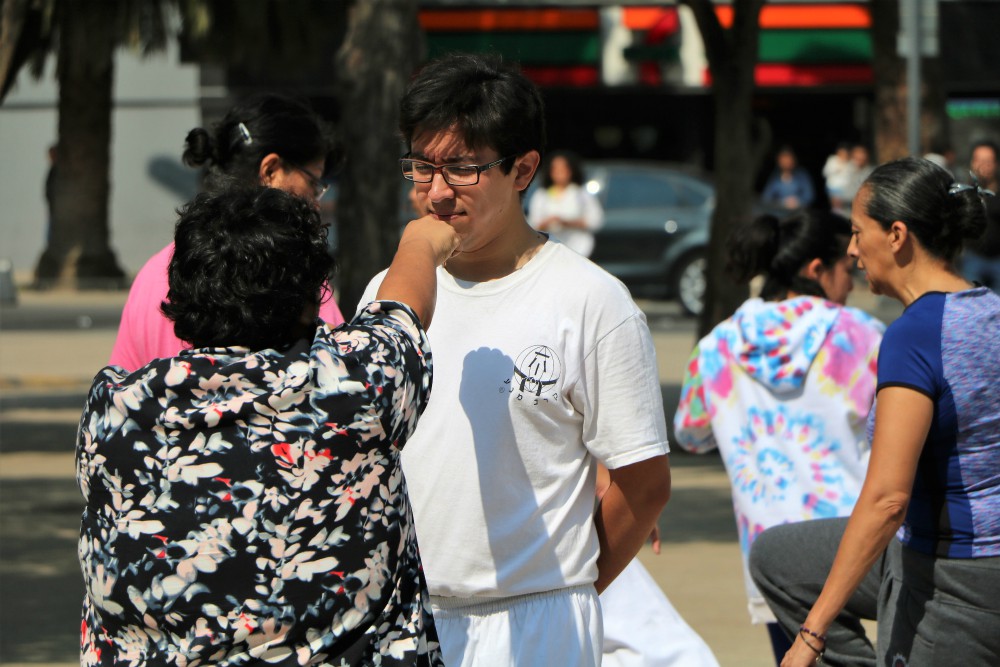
[(962, 187), (245, 133)]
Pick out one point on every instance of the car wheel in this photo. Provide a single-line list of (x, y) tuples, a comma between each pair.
[(690, 283)]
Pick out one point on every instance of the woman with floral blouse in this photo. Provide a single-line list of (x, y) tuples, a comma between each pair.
[(245, 503)]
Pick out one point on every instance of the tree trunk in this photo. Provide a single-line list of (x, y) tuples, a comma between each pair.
[(375, 62), (890, 83), (78, 254), (891, 89), (734, 172), (934, 130), (732, 57)]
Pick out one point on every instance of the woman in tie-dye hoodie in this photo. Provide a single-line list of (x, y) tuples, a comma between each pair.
[(784, 386)]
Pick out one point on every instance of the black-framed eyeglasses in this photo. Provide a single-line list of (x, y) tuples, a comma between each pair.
[(319, 188), (420, 171)]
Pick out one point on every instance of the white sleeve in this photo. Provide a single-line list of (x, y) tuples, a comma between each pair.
[(620, 398)]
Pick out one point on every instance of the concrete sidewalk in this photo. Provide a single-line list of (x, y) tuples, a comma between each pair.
[(44, 376)]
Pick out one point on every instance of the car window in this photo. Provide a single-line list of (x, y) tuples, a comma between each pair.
[(639, 189), (691, 193)]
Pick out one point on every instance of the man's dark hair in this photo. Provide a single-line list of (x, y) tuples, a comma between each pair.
[(247, 263), (490, 103)]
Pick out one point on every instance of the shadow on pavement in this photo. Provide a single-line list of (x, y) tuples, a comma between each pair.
[(50, 400), (698, 513), (40, 580), (26, 436), (699, 510), (28, 423)]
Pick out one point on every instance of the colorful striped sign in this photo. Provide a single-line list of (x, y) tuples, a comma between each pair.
[(813, 44)]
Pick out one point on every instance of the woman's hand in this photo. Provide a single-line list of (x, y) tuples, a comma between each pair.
[(801, 655), (426, 244), (441, 237)]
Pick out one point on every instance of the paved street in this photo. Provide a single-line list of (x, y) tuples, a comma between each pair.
[(52, 343)]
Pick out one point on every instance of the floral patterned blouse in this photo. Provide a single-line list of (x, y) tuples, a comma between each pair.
[(249, 507)]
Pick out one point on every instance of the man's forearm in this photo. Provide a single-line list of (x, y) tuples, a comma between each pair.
[(627, 513)]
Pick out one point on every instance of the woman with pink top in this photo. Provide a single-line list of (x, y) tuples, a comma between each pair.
[(268, 140)]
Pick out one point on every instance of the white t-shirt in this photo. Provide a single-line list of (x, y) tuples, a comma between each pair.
[(572, 203), (535, 375)]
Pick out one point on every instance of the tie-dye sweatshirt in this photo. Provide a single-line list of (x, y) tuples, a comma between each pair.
[(783, 389)]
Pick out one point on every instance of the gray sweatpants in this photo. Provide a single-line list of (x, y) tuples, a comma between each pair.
[(945, 611), (789, 563), (931, 611)]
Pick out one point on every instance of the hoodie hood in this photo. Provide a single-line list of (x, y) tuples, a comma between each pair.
[(776, 342)]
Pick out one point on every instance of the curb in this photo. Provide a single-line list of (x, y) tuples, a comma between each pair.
[(44, 383)]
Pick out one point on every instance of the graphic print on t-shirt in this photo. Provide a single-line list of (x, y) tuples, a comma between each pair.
[(536, 372)]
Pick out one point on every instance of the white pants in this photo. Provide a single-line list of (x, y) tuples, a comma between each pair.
[(548, 629), (642, 628)]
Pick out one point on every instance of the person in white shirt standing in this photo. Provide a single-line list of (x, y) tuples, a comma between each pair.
[(543, 367), (563, 207)]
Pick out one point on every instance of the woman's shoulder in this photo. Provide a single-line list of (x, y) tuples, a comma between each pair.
[(973, 313), (919, 325)]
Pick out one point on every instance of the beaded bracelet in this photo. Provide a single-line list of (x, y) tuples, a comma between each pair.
[(818, 636), (819, 652)]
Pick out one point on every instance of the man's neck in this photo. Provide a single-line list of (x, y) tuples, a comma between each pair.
[(501, 258)]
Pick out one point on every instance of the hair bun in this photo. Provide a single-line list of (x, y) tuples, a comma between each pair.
[(199, 148), (968, 214), (753, 247)]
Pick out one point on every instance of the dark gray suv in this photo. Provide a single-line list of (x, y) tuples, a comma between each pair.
[(655, 233)]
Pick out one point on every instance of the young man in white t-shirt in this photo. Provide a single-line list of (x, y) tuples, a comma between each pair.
[(543, 367)]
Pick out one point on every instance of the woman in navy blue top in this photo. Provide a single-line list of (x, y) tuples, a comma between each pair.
[(934, 476)]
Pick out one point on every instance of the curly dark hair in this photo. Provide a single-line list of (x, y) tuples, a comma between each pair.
[(247, 264)]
